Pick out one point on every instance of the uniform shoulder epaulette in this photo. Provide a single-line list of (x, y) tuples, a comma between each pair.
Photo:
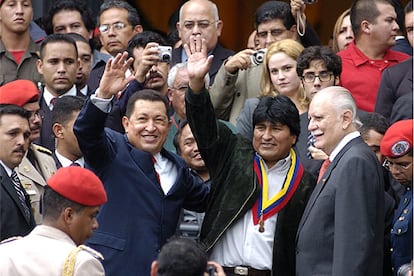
[(42, 149), (92, 251), (10, 239)]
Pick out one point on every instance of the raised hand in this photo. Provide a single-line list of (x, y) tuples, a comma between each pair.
[(149, 58), (113, 79), (198, 64)]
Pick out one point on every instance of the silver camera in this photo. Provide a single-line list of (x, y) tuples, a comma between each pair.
[(310, 1), (258, 57), (165, 53)]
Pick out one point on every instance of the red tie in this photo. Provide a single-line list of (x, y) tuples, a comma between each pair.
[(324, 166), (155, 161)]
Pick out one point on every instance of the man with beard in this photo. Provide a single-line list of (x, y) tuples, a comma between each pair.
[(37, 165), (149, 72)]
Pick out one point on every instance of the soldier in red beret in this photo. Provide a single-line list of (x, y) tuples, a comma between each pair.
[(397, 147), (38, 164), (71, 202)]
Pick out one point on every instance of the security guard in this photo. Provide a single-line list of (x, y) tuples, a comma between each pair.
[(71, 202), (38, 164), (397, 147)]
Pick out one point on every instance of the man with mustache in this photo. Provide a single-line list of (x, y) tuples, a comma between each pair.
[(18, 53), (37, 165), (16, 217), (58, 65)]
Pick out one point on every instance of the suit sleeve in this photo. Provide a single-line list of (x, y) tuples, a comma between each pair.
[(92, 139), (359, 217), (385, 96)]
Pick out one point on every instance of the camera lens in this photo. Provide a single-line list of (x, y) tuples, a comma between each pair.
[(165, 58)]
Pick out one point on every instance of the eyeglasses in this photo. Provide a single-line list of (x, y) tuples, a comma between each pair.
[(322, 76), (274, 33), (398, 166), (202, 24), (117, 26)]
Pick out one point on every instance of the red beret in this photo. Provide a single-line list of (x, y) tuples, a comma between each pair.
[(398, 139), (19, 92), (79, 185)]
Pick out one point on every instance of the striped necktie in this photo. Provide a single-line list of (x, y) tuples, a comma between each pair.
[(20, 193)]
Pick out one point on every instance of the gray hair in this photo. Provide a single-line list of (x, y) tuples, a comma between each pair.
[(172, 74), (341, 99), (133, 16), (213, 6)]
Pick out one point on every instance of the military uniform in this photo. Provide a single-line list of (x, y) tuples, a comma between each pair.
[(33, 177), (48, 251), (402, 232)]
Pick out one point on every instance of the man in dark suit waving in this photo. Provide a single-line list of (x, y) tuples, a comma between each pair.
[(146, 185), (341, 230), (16, 217)]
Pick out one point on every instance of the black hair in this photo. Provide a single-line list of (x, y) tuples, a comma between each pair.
[(63, 110), (69, 5), (279, 109), (53, 204), (141, 40), (181, 257), (11, 109), (132, 18), (147, 95), (409, 7), (364, 10), (55, 38), (177, 136), (374, 121), (325, 54), (271, 10)]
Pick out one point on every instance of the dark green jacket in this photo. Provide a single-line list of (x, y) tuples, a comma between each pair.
[(234, 190)]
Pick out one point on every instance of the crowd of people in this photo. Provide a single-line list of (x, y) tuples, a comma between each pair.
[(122, 157)]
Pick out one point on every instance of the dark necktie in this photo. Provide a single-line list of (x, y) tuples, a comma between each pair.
[(53, 101), (19, 190), (324, 166), (309, 143), (155, 161)]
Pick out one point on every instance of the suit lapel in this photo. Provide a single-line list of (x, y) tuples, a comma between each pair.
[(144, 161), (321, 184)]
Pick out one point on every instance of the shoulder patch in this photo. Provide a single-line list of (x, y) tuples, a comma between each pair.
[(92, 251), (42, 149), (10, 239)]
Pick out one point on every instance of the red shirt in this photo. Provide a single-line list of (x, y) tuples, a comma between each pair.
[(362, 76)]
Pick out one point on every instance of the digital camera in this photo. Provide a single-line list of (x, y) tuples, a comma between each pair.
[(165, 53), (310, 1), (258, 56)]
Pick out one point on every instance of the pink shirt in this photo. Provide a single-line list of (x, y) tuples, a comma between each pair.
[(362, 76)]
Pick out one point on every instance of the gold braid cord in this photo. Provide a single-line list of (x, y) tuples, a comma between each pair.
[(69, 265)]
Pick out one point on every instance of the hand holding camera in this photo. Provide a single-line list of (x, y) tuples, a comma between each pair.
[(240, 61)]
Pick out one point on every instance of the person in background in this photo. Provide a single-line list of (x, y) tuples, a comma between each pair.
[(58, 65), (183, 257), (363, 61), (18, 52), (37, 165), (395, 93), (85, 63), (341, 231), (201, 17), (71, 202), (397, 147), (342, 32), (16, 217), (64, 114)]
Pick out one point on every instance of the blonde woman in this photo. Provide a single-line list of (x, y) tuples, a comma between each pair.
[(279, 78), (342, 33)]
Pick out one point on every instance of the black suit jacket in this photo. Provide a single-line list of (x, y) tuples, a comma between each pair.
[(220, 55), (12, 219)]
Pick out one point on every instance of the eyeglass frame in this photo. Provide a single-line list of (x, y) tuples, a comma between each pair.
[(330, 74), (115, 27), (202, 24), (181, 89), (273, 33), (387, 164), (36, 113)]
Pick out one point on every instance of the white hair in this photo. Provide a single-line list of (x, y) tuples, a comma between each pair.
[(172, 74), (213, 6)]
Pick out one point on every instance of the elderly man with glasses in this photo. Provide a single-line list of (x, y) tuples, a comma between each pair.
[(397, 147)]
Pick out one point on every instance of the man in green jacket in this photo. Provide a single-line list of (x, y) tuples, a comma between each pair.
[(259, 189)]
